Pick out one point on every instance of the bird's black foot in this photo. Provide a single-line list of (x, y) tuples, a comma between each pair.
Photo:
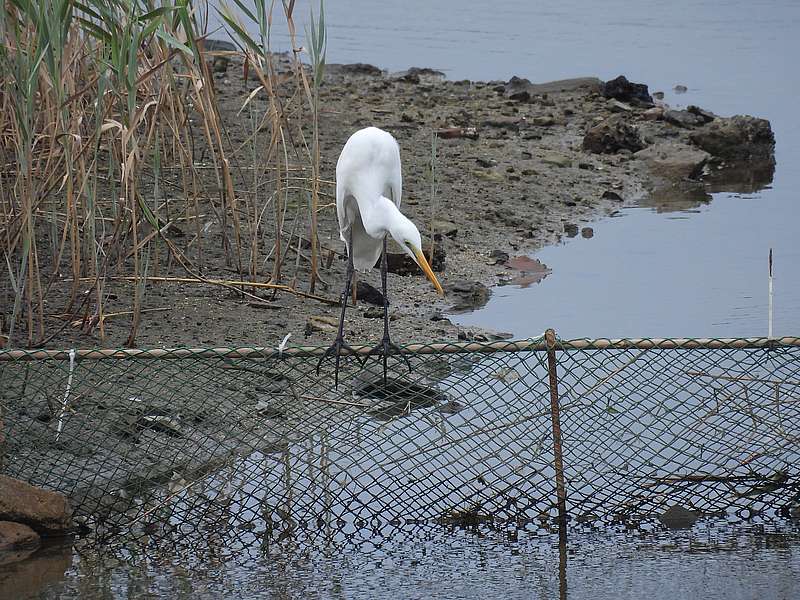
[(386, 348), (337, 349)]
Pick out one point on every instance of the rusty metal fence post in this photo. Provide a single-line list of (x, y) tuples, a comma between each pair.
[(561, 491)]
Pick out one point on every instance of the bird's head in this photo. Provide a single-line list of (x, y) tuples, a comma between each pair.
[(406, 234)]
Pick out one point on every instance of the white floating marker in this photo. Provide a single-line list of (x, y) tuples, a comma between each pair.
[(769, 309)]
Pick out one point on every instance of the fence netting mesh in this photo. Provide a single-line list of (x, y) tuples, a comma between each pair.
[(256, 443)]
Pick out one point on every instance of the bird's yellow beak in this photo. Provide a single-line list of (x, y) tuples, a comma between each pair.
[(426, 268)]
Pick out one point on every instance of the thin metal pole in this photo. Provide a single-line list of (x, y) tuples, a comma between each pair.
[(561, 490)]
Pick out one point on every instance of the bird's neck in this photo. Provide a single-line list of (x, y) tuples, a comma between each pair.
[(378, 222)]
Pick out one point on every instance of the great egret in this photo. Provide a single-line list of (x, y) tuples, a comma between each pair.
[(368, 190)]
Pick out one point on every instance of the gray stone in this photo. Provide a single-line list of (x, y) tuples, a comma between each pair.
[(654, 114), (321, 324), (467, 295), (738, 138), (683, 118), (502, 122), (522, 90), (611, 136), (706, 115), (354, 69), (418, 74), (617, 106), (446, 228), (556, 159), (219, 46), (674, 160), (543, 121)]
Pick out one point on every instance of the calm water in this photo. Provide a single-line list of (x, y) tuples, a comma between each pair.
[(698, 272)]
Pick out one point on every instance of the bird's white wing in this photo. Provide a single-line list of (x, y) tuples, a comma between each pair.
[(368, 167)]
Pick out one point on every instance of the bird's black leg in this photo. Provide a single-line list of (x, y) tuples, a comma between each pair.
[(339, 343), (386, 346)]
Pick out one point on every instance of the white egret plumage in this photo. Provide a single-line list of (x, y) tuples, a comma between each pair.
[(368, 190)]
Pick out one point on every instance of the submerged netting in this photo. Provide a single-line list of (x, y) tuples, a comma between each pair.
[(255, 442)]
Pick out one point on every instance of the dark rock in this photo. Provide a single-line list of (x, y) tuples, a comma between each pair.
[(517, 89), (16, 536), (418, 74), (218, 46), (220, 64), (354, 69), (609, 195), (587, 233), (658, 95), (373, 312), (450, 408), (401, 263), (626, 91), (500, 257), (502, 122), (543, 121), (426, 72), (677, 517), (674, 160), (408, 77), (737, 138), (571, 229), (522, 90), (486, 163), (680, 89), (683, 118), (468, 295), (449, 133), (706, 115), (368, 293), (44, 511), (612, 135)]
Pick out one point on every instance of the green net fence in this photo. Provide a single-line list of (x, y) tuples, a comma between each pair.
[(255, 443)]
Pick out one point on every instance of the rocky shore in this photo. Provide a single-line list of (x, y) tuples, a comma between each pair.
[(516, 166)]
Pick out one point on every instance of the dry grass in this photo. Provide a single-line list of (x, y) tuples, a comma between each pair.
[(117, 163)]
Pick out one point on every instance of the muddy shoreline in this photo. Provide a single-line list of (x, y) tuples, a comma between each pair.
[(526, 180)]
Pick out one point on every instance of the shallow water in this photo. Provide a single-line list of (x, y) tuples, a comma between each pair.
[(711, 561), (693, 272)]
